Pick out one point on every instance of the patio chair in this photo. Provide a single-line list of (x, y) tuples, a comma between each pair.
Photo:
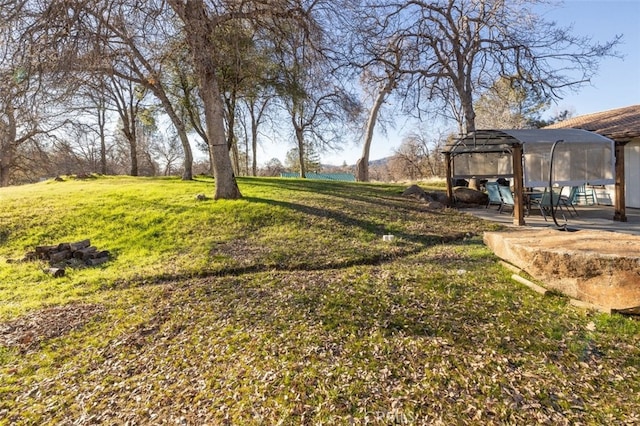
[(586, 194), (507, 198), (494, 194), (570, 201), (546, 202)]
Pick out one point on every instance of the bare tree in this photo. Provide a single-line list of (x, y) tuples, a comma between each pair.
[(418, 157), (126, 38), (258, 95), (317, 106), (126, 100), (200, 20), (409, 159), (257, 107), (183, 90), (90, 115), (273, 167), (28, 101), (118, 38), (168, 154), (460, 47), (143, 60), (98, 100), (80, 151), (383, 73)]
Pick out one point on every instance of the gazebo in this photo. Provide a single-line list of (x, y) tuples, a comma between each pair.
[(577, 157)]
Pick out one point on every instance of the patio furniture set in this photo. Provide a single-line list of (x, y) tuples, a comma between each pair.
[(544, 200)]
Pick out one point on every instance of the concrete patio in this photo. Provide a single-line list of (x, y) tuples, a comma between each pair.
[(594, 217)]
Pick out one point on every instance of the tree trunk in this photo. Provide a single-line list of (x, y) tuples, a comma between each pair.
[(8, 134), (246, 157), (187, 173), (226, 185), (256, 119), (301, 153), (211, 157), (103, 151), (133, 154), (232, 143), (5, 174), (362, 165), (198, 26), (254, 145), (466, 102), (102, 119), (235, 158), (128, 116)]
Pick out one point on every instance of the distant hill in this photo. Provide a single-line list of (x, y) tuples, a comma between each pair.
[(344, 177), (380, 162), (329, 168)]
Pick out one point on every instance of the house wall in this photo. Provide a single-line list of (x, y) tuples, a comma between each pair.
[(632, 173), (632, 179)]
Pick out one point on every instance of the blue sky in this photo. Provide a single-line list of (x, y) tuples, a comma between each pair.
[(616, 85), (618, 81)]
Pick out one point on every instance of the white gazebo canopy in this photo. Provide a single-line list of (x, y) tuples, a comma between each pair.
[(580, 157)]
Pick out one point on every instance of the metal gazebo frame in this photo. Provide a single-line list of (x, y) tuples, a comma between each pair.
[(523, 155)]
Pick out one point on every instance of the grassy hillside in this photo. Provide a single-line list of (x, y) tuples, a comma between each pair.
[(157, 230), (287, 306)]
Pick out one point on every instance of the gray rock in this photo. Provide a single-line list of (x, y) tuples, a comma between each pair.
[(440, 197), (470, 196), (416, 192)]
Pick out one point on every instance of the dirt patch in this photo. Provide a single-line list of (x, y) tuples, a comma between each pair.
[(242, 252), (27, 332)]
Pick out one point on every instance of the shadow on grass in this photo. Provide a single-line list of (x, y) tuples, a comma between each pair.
[(385, 195), (388, 301), (366, 225)]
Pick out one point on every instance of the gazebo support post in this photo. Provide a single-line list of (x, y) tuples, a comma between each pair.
[(620, 203), (449, 173), (518, 186)]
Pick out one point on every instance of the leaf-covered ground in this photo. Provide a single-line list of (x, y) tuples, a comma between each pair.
[(299, 326)]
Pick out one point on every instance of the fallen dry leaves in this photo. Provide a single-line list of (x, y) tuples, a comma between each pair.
[(26, 333), (378, 344), (320, 324)]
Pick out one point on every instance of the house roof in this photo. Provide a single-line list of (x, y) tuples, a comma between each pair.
[(621, 124)]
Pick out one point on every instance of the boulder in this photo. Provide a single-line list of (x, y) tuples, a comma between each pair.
[(440, 197), (470, 196), (434, 200), (598, 267), (414, 191)]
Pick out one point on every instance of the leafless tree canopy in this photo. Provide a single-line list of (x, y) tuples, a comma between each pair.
[(80, 79), (454, 50)]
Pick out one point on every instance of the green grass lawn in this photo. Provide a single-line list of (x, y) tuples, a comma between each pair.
[(287, 307)]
